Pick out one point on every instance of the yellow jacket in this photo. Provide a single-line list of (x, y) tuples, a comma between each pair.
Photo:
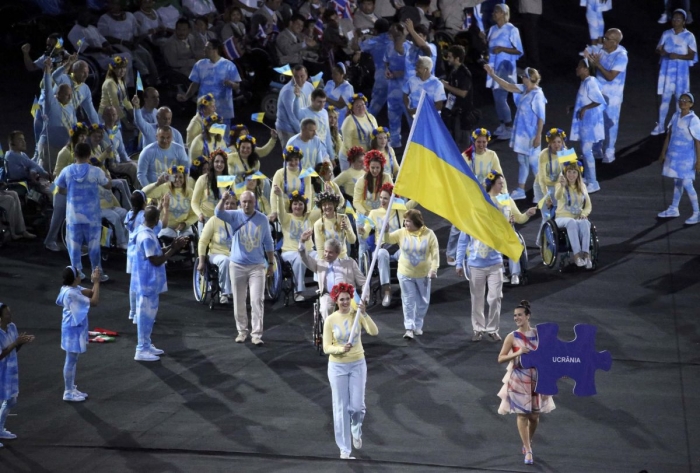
[(354, 137), (336, 334), (483, 164), (364, 203), (64, 159), (110, 97), (549, 170), (395, 223), (326, 228), (420, 252), (180, 203), (203, 200), (292, 228), (216, 235), (194, 129), (347, 179), (571, 203), (293, 184), (197, 145)]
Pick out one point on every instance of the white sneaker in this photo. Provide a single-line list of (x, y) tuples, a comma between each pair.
[(408, 335), (501, 129), (592, 187), (356, 442), (580, 262), (223, 299), (241, 337), (7, 435), (609, 156), (155, 351), (663, 19), (695, 218), (104, 278), (589, 263), (70, 396), (386, 300), (299, 298), (506, 135), (515, 280), (518, 194), (658, 130), (670, 212), (144, 355), (75, 390), (53, 246), (257, 341), (418, 332), (346, 456)]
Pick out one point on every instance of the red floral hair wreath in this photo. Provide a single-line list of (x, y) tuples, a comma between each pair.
[(340, 288), (355, 152), (374, 155), (387, 187)]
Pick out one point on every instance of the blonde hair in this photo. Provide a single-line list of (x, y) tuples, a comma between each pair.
[(505, 9), (534, 75)]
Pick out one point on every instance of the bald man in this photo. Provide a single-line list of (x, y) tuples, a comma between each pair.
[(59, 119), (82, 96), (112, 139), (164, 117), (251, 261)]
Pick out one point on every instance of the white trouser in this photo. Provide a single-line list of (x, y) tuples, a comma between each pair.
[(383, 263), (298, 268), (415, 298), (242, 276), (326, 306), (172, 233), (221, 261), (579, 232), (479, 278), (348, 387)]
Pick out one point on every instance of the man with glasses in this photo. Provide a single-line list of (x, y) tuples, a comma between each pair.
[(423, 80), (610, 62)]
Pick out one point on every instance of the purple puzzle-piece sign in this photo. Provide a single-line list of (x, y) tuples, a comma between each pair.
[(576, 359)]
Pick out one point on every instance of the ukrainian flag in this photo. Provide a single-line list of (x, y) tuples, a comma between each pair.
[(435, 174)]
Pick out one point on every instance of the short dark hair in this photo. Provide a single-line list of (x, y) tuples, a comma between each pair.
[(82, 150), (381, 26), (422, 29), (216, 44), (296, 17), (182, 21), (299, 67), (415, 216), (457, 52), (13, 134), (318, 93)]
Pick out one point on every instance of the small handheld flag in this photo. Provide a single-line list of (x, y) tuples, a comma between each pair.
[(218, 129), (225, 181), (567, 156), (258, 117), (399, 204), (361, 220), (316, 80), (59, 43), (342, 8), (230, 49), (139, 82), (318, 28), (284, 70), (256, 175), (240, 187), (80, 44), (309, 172), (349, 209), (503, 199), (35, 107)]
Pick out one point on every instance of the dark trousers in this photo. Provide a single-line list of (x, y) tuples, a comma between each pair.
[(528, 33)]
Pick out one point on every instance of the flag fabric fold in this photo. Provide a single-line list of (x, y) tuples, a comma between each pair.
[(231, 50), (435, 174)]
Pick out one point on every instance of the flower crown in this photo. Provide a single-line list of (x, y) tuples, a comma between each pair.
[(96, 127), (238, 129), (575, 165), (491, 176), (199, 161), (322, 197), (78, 127), (246, 139), (355, 152), (481, 132), (292, 150), (379, 130), (177, 169), (211, 119), (554, 132), (215, 153), (340, 288), (374, 155), (118, 61), (356, 97), (205, 100), (387, 187), (295, 196)]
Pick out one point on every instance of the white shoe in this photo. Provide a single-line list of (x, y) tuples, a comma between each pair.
[(299, 298), (356, 442), (7, 435), (663, 19), (223, 299), (658, 130), (155, 351), (501, 129), (408, 335), (451, 261), (144, 355), (609, 156), (695, 218), (592, 187), (241, 337), (75, 390), (104, 278), (670, 212), (518, 194), (418, 332), (386, 300), (507, 134), (70, 396), (580, 262), (589, 263), (346, 456), (257, 341), (515, 280), (53, 246)]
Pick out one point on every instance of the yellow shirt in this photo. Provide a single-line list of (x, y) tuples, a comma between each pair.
[(346, 180), (216, 235), (197, 146), (110, 97), (508, 208), (336, 334), (236, 165), (327, 228), (364, 203), (483, 164), (571, 203), (107, 199), (395, 223), (391, 158), (315, 213), (293, 184), (354, 136), (180, 203), (64, 159), (549, 170), (194, 129), (420, 253), (292, 228), (203, 200)]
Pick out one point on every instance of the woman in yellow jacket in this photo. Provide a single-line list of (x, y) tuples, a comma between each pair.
[(332, 225), (237, 162), (380, 142), (206, 106), (347, 370), (335, 131), (366, 194), (114, 88), (573, 208), (294, 221), (347, 179), (206, 192), (288, 180), (324, 183), (182, 217), (356, 128), (216, 236), (418, 264), (549, 169), (207, 142)]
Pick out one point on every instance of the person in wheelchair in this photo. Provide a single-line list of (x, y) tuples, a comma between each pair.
[(209, 140), (95, 138), (240, 130), (206, 192), (347, 179), (112, 211), (380, 142), (288, 180), (573, 208), (324, 183), (387, 252), (18, 166), (257, 187), (549, 170), (9, 201), (331, 225), (495, 185), (182, 217), (206, 106), (294, 222), (215, 240), (366, 193), (330, 269)]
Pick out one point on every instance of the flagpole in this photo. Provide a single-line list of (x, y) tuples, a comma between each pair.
[(380, 240)]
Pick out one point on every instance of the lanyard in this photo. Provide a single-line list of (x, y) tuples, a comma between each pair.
[(302, 186)]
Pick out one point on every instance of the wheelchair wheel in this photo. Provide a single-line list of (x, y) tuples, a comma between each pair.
[(288, 283), (200, 283), (364, 262), (317, 335), (523, 261), (273, 285), (549, 243), (594, 247)]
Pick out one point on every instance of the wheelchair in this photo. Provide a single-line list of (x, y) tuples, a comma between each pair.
[(555, 247), (317, 328), (523, 263), (206, 285), (364, 262), (274, 283), (188, 254), (108, 240)]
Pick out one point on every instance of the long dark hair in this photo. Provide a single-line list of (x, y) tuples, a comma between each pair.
[(525, 305), (138, 203), (211, 175), (68, 276)]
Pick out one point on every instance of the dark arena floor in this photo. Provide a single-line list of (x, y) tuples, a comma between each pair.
[(213, 405)]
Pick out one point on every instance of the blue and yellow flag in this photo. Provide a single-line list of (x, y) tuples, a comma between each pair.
[(435, 174), (258, 117), (316, 80), (349, 209), (566, 156), (225, 181), (284, 70), (139, 82), (35, 106)]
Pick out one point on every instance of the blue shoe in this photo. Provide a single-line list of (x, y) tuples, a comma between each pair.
[(592, 187), (670, 212), (695, 218), (518, 194)]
